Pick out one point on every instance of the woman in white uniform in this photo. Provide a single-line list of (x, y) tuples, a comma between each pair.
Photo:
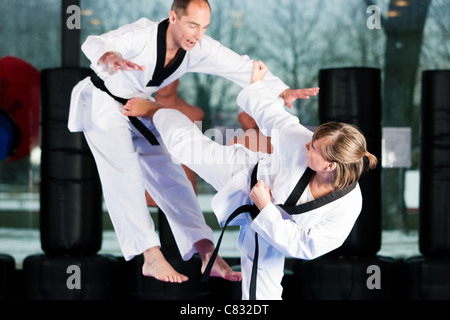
[(326, 165)]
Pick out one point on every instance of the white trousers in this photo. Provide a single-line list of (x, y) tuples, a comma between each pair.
[(128, 165), (217, 166)]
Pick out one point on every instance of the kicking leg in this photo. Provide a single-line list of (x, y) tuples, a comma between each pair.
[(173, 193)]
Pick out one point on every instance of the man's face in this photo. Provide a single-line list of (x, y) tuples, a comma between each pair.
[(189, 29)]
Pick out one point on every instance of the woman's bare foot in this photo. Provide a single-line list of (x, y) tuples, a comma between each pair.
[(220, 268), (156, 266)]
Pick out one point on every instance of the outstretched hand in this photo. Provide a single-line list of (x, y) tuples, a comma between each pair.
[(290, 95), (117, 63)]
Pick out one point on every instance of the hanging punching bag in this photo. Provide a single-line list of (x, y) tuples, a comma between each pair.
[(434, 217), (19, 98), (353, 96), (71, 197)]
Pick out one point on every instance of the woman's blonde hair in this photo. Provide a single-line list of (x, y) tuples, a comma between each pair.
[(346, 146)]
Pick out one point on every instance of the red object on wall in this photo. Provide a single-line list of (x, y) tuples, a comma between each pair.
[(20, 98)]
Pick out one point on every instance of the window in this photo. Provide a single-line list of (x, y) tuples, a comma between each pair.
[(295, 38)]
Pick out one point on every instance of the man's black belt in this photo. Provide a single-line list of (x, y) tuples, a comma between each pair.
[(100, 84)]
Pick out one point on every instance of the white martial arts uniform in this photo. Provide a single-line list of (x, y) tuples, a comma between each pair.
[(306, 236), (126, 162)]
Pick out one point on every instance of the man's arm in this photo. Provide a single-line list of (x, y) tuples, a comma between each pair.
[(116, 62), (211, 57), (216, 59), (113, 48)]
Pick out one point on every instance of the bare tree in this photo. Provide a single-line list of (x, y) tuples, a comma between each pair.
[(436, 47), (287, 35), (300, 38)]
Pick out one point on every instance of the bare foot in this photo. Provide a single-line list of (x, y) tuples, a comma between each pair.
[(220, 268), (155, 265)]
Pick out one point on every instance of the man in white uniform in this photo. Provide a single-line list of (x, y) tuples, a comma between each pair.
[(134, 61)]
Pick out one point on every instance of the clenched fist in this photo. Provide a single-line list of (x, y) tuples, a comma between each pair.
[(260, 195)]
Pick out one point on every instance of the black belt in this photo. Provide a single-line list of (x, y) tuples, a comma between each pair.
[(100, 84), (254, 211)]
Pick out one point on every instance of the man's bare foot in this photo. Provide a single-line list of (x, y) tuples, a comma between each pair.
[(155, 265), (220, 268)]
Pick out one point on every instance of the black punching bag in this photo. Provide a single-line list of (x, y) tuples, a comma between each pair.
[(71, 196), (434, 219), (353, 96)]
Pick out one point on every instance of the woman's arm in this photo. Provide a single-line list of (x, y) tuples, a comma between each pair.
[(220, 60), (263, 106), (289, 95)]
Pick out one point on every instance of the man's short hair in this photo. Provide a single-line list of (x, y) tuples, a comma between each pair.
[(180, 6)]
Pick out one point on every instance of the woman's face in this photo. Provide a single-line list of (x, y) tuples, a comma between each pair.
[(315, 159)]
